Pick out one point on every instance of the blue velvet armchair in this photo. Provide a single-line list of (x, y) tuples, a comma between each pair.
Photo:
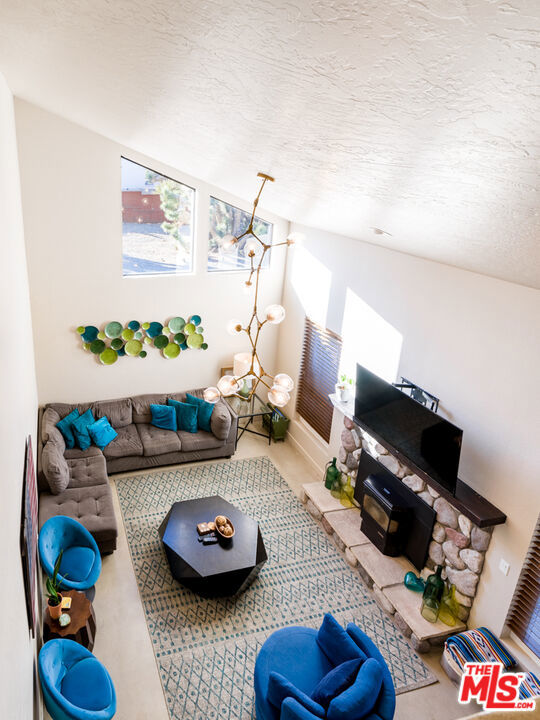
[(76, 686), (81, 562), (296, 666)]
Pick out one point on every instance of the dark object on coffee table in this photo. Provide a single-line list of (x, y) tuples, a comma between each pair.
[(82, 627), (217, 570), (224, 528)]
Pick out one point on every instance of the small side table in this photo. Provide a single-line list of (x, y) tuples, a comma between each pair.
[(249, 409), (82, 627)]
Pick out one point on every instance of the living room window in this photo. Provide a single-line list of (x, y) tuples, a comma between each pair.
[(157, 222), (226, 219), (524, 614)]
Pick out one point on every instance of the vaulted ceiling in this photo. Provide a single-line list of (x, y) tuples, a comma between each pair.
[(413, 124)]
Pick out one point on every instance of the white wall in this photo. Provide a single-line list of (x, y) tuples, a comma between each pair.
[(70, 179), (19, 419), (471, 340)]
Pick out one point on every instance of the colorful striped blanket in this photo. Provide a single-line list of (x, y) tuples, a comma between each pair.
[(481, 645)]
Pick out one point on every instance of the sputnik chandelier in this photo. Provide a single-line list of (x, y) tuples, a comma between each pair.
[(247, 366)]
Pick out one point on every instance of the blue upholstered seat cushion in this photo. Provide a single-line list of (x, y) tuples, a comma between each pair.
[(80, 429), (65, 427), (77, 562), (86, 685), (186, 415), (335, 643), (280, 688), (357, 701), (102, 433), (336, 681), (204, 411), (164, 417)]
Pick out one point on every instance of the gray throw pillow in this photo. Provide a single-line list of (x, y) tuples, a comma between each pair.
[(220, 421), (55, 468)]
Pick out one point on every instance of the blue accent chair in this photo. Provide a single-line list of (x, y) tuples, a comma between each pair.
[(302, 657), (81, 561), (76, 686)]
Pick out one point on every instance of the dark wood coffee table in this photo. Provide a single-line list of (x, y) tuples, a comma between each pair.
[(223, 569), (82, 627)]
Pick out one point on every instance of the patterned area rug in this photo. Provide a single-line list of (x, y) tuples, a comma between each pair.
[(206, 648)]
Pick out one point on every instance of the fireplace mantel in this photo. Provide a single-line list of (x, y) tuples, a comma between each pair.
[(466, 500)]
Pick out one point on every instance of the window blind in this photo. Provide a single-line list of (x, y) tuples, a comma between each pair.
[(524, 614), (321, 352)]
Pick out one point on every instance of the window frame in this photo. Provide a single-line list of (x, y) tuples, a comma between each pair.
[(194, 208)]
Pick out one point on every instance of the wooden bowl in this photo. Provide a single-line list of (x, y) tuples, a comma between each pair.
[(220, 535)]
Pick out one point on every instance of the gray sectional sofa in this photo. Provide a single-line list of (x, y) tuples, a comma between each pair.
[(75, 482)]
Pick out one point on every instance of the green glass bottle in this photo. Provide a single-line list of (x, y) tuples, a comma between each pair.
[(448, 611), (332, 476), (347, 494), (431, 599)]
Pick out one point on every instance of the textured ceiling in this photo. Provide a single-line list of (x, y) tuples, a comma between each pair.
[(419, 119)]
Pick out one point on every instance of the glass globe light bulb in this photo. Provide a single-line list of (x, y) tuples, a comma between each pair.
[(228, 242), (295, 237), (278, 396), (211, 395), (251, 246), (275, 314), (284, 381), (234, 327), (227, 385)]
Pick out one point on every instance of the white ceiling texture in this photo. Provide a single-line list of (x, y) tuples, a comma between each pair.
[(416, 118)]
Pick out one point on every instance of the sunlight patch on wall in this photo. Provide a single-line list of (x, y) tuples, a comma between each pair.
[(311, 280), (368, 339)]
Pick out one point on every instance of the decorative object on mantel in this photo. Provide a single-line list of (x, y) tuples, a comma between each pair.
[(344, 388), (171, 338), (414, 583), (332, 476), (251, 369), (432, 596)]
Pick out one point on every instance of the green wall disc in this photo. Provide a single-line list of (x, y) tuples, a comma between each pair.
[(97, 346), (142, 353), (133, 347), (189, 328), (116, 343), (113, 329), (195, 340), (90, 333), (108, 356), (179, 338), (172, 350), (134, 325), (128, 334), (176, 325), (204, 346), (154, 329), (161, 341)]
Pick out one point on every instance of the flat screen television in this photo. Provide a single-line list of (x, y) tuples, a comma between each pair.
[(421, 439)]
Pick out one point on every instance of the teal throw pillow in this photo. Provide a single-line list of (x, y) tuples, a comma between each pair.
[(80, 429), (204, 411), (64, 425), (102, 433), (164, 416), (186, 415)]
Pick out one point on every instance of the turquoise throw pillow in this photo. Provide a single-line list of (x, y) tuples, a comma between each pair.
[(164, 416), (102, 433), (65, 428), (336, 681), (80, 429), (204, 411), (186, 415)]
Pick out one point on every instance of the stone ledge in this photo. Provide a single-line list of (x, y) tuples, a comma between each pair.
[(346, 525), (407, 604), (385, 571), (321, 497)]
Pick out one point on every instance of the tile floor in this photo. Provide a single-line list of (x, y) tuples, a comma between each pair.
[(123, 643)]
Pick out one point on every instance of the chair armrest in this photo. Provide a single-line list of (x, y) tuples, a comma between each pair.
[(279, 689), (291, 709)]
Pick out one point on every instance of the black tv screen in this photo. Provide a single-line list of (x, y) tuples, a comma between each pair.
[(425, 442)]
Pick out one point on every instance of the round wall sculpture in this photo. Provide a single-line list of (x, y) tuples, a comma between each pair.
[(132, 339)]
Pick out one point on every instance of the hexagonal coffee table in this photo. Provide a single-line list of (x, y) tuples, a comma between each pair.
[(212, 570)]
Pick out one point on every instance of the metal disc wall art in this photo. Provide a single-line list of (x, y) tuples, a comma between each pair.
[(118, 340)]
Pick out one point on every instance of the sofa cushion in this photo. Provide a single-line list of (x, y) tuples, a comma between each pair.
[(164, 417), (126, 443), (220, 420), (336, 643), (55, 467), (86, 471), (78, 454), (119, 412), (49, 431), (140, 404), (80, 429), (92, 506), (336, 681), (192, 442), (359, 699), (157, 441), (186, 415)]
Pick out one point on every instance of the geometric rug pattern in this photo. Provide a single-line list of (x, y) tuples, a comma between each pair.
[(206, 648)]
